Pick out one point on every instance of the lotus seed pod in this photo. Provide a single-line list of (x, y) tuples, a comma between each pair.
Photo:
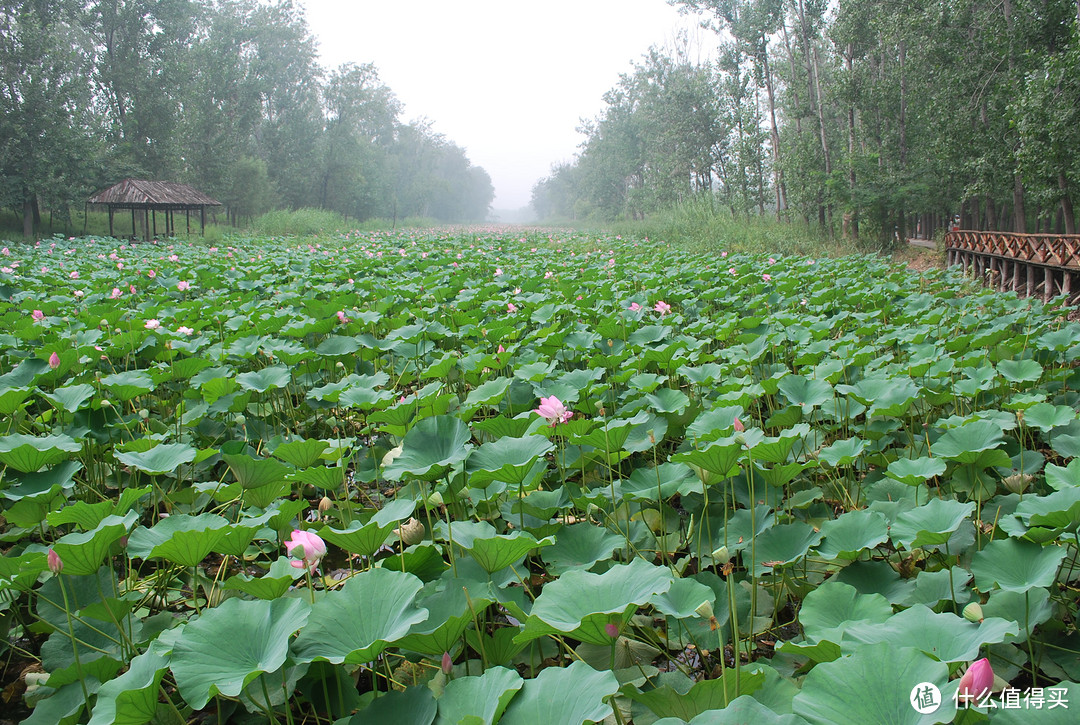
[(411, 532), (705, 610), (144, 414), (973, 612), (721, 555), (324, 504), (106, 403), (240, 420), (1018, 482)]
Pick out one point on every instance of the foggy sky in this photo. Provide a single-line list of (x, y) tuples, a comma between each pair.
[(507, 80)]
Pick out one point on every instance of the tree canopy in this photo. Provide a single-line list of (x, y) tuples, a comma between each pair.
[(225, 95), (857, 113)]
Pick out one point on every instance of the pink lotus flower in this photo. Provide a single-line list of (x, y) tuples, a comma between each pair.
[(307, 548), (73, 275), (38, 315), (511, 307), (977, 681), (115, 294), (342, 317), (772, 261), (173, 258), (55, 565), (553, 410), (767, 277), (152, 324), (78, 293), (501, 349), (184, 330), (723, 254), (635, 307), (662, 307), (54, 361), (151, 274), (183, 285), (447, 664), (731, 270), (611, 630), (739, 427)]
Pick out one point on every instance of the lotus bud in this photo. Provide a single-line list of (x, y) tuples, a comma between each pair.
[(977, 681), (106, 403), (54, 361), (739, 427), (324, 504), (973, 612), (55, 565), (144, 413), (447, 664), (722, 555), (1018, 482), (611, 629)]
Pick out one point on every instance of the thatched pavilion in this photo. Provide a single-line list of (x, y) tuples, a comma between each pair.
[(146, 198)]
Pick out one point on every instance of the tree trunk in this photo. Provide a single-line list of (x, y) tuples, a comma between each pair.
[(853, 226), (1066, 199), (1019, 213), (28, 219), (778, 173)]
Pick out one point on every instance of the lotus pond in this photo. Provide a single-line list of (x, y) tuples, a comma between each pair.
[(465, 477)]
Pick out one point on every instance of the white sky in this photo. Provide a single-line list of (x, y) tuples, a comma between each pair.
[(507, 80)]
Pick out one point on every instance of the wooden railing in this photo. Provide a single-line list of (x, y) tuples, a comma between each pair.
[(1053, 250), (1028, 264)]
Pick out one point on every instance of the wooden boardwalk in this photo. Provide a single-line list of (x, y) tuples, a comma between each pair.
[(1047, 265)]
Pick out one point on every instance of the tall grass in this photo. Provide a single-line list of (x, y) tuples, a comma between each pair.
[(701, 226)]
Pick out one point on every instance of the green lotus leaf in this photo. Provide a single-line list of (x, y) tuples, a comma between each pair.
[(743, 710), (162, 458), (28, 454), (944, 636), (487, 393), (1046, 417), (82, 553), (850, 533), (414, 706), (483, 698), (700, 697), (506, 459), (665, 480), (430, 449), (12, 398), (256, 472), (231, 644), (966, 442), (581, 695), (581, 604), (181, 538), (827, 610), (131, 698), (581, 546), (1016, 565), (1028, 609), (931, 524), (720, 457), (301, 453), (498, 552), (714, 423), (128, 384), (684, 598), (1058, 510), (782, 544), (447, 602), (271, 585), (1020, 371), (269, 378), (807, 393), (365, 538), (355, 623), (69, 398), (914, 471), (842, 453), (874, 684)]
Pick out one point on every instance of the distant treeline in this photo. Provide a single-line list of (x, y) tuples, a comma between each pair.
[(881, 116), (225, 95)]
